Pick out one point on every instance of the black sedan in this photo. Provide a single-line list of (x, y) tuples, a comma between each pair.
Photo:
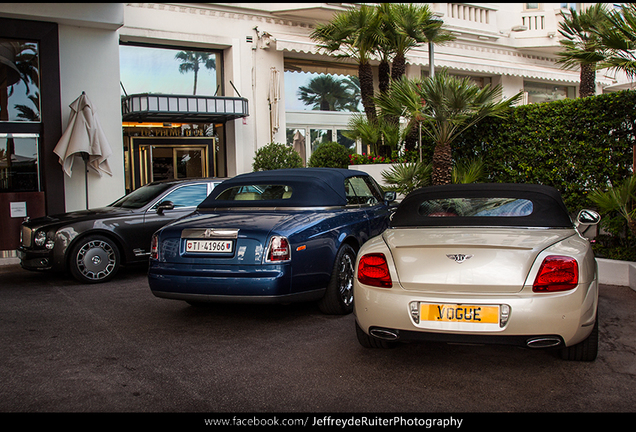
[(93, 244)]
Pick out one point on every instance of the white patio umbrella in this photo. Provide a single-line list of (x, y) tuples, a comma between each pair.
[(299, 145), (274, 98), (85, 137)]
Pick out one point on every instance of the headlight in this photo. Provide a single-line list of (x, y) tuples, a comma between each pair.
[(40, 238)]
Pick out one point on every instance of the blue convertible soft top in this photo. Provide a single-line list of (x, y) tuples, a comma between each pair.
[(311, 187)]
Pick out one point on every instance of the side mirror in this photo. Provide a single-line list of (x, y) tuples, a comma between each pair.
[(164, 205), (390, 196), (588, 217)]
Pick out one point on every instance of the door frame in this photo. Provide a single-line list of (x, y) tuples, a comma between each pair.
[(142, 172)]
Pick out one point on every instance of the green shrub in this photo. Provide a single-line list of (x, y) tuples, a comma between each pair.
[(330, 155), (276, 156), (574, 145)]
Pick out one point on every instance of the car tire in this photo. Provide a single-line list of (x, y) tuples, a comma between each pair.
[(369, 341), (586, 350), (338, 299), (94, 259)]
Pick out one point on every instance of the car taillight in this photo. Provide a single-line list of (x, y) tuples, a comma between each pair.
[(154, 247), (557, 273), (279, 249), (373, 270)]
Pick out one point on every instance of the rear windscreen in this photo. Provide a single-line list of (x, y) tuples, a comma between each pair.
[(476, 207), (258, 192)]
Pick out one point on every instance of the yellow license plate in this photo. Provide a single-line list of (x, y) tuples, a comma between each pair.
[(459, 313)]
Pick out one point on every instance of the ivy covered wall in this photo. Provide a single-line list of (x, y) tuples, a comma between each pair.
[(574, 145)]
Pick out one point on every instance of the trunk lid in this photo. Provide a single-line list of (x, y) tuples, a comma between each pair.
[(249, 236), (467, 260)]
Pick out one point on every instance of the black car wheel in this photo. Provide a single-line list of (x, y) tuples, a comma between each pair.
[(586, 350), (338, 299), (94, 259)]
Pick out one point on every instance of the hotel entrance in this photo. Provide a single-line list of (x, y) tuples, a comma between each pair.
[(165, 151), (153, 159)]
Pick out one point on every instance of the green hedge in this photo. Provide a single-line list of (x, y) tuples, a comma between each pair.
[(329, 155), (574, 145), (276, 156)]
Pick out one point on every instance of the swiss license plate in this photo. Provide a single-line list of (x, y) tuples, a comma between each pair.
[(209, 246), (459, 313)]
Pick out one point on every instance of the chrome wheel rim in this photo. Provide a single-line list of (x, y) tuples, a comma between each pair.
[(345, 278), (96, 260)]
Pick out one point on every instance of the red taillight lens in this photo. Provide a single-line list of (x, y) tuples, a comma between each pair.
[(279, 249), (154, 247), (557, 273), (373, 270)]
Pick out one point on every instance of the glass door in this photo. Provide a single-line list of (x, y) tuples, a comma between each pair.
[(190, 162), (176, 159)]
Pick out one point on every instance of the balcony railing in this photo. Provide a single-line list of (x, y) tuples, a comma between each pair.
[(182, 108)]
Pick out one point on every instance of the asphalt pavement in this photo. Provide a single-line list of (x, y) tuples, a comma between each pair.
[(115, 348)]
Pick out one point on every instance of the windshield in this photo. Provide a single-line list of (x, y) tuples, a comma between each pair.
[(140, 197)]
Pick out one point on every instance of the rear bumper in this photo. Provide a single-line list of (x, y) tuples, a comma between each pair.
[(534, 320), (229, 283)]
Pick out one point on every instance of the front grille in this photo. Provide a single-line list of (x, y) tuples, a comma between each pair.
[(26, 236)]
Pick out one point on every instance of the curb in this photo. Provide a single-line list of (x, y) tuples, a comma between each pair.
[(614, 272)]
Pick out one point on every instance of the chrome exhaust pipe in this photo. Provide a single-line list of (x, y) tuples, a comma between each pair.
[(543, 342), (385, 334)]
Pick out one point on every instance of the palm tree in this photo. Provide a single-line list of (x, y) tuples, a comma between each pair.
[(446, 106), (191, 61), (354, 34), (352, 84), (582, 44), (433, 34), (408, 25), (619, 199), (406, 177), (620, 39), (368, 131)]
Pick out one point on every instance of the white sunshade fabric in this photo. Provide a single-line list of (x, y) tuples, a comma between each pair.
[(442, 60), (84, 134)]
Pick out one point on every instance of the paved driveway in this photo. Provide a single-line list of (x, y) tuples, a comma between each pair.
[(114, 348)]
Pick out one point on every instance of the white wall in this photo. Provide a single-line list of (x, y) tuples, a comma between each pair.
[(89, 61)]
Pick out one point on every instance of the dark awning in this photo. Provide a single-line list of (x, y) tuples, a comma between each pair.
[(181, 108)]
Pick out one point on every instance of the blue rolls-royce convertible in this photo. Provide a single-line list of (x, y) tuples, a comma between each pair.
[(277, 236)]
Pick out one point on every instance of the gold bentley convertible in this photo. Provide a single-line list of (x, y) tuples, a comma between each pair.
[(481, 263)]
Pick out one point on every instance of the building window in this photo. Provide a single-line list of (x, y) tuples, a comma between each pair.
[(322, 92), (531, 6), (19, 168), (151, 69), (321, 86), (19, 81), (320, 136), (344, 141), (544, 92)]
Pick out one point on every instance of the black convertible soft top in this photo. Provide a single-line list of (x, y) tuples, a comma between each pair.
[(535, 206), (312, 187)]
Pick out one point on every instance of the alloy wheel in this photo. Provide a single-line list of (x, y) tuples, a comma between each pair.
[(96, 260)]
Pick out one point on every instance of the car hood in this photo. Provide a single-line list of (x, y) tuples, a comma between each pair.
[(478, 260), (78, 216)]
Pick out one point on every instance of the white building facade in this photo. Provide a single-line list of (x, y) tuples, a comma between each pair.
[(162, 119)]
